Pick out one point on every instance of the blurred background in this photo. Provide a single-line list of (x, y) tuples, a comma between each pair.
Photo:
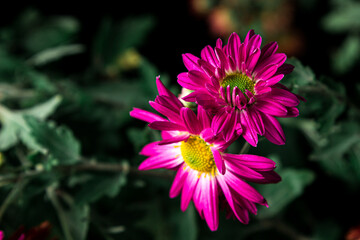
[(69, 75)]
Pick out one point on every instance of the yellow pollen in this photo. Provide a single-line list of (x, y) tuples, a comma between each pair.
[(197, 155), (242, 81)]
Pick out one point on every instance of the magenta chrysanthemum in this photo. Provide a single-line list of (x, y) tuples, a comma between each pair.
[(239, 84), (205, 173)]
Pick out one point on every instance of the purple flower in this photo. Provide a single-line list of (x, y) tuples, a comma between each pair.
[(239, 84), (205, 173)]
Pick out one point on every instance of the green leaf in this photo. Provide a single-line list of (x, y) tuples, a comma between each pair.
[(301, 75), (148, 73), (12, 92), (53, 54), (43, 110), (97, 186), (339, 142), (185, 225), (138, 137), (113, 39), (9, 64), (283, 193), (40, 81), (171, 222), (326, 98), (340, 156), (14, 126), (344, 18), (8, 136), (347, 55), (13, 129), (58, 142), (74, 219), (121, 94), (52, 33)]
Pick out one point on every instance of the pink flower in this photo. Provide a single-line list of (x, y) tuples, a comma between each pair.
[(205, 173), (239, 84)]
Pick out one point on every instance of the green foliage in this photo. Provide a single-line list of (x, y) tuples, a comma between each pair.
[(74, 219), (347, 55), (53, 54), (94, 187), (282, 194), (47, 34), (16, 127), (172, 224), (335, 142), (345, 19), (57, 142), (339, 155), (113, 39)]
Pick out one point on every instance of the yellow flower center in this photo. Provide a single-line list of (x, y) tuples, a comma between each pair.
[(197, 155), (242, 81)]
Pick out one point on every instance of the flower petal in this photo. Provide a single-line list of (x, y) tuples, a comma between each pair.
[(178, 182), (211, 202), (243, 188), (164, 91), (175, 139), (167, 126), (274, 133), (190, 184), (163, 160), (145, 115), (271, 107), (219, 161), (208, 54), (258, 163), (191, 61), (190, 120), (168, 112)]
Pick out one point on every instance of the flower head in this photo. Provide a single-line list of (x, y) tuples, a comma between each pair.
[(205, 173), (239, 84)]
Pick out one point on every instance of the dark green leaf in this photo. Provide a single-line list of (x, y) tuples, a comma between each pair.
[(344, 18), (171, 223), (283, 193), (57, 31), (347, 55), (74, 219), (301, 76), (43, 110), (339, 156), (121, 94), (58, 142), (55, 53), (113, 39), (98, 186)]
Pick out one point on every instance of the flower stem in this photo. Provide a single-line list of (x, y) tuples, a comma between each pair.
[(86, 167), (245, 148)]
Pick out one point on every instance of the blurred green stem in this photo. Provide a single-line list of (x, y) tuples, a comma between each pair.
[(245, 148), (11, 197), (60, 211), (84, 167)]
